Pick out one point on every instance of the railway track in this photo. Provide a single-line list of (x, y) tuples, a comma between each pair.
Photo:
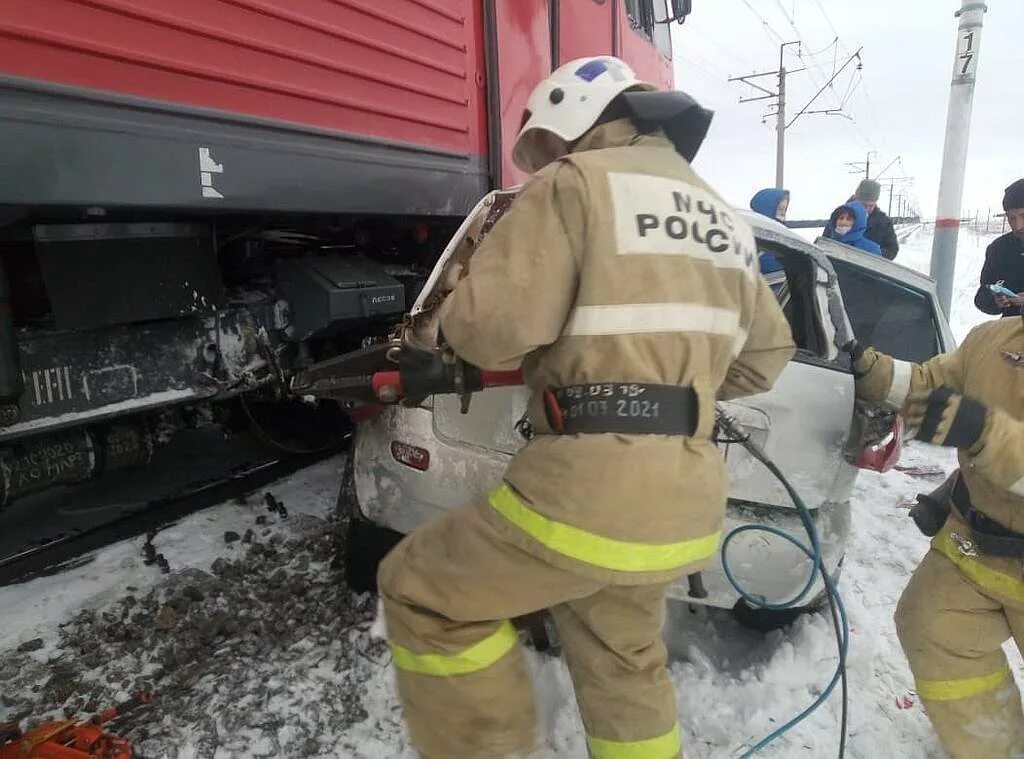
[(62, 551)]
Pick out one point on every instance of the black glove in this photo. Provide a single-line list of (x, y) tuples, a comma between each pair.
[(949, 419), (860, 360), (435, 371)]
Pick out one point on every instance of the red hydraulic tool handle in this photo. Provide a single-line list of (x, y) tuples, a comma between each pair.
[(387, 386)]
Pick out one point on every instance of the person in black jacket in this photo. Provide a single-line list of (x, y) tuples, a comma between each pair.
[(880, 228), (1004, 260)]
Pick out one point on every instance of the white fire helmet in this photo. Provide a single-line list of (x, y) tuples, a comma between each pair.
[(563, 107)]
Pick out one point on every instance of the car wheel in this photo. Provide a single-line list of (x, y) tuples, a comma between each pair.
[(361, 545), (767, 620), (366, 545)]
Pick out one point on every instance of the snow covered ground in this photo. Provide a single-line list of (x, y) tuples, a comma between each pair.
[(255, 648), (916, 253), (322, 686)]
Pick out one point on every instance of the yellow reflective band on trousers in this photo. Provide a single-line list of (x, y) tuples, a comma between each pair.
[(666, 746), (597, 550), (952, 690), (989, 579), (478, 656)]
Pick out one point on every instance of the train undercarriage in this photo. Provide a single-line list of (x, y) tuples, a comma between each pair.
[(119, 333)]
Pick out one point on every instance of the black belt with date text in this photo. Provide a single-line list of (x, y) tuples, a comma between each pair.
[(628, 408)]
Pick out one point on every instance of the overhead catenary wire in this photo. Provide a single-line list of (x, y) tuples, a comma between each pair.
[(764, 22), (792, 23), (717, 77), (726, 50), (855, 82), (863, 88), (841, 95), (826, 17), (856, 85), (830, 46), (827, 84)]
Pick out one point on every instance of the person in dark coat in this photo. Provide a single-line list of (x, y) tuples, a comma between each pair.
[(772, 202), (1004, 260), (848, 225), (880, 228)]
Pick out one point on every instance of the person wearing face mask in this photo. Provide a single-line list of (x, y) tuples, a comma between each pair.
[(772, 202), (1004, 261), (848, 225)]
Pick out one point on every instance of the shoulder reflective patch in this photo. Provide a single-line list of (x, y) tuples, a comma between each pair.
[(954, 690), (669, 217), (597, 550), (667, 746), (478, 656)]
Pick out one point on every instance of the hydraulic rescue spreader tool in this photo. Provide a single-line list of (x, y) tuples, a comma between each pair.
[(400, 373), (69, 739), (397, 373)]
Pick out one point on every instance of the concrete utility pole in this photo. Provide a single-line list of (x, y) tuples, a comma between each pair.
[(780, 103), (780, 106), (954, 157), (780, 127), (866, 163), (891, 183)]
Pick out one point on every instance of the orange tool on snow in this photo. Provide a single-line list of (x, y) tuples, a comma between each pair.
[(68, 739)]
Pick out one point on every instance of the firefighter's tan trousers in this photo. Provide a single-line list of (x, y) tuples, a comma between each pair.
[(449, 590), (952, 621)]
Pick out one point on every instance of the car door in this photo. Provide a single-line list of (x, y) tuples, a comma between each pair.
[(891, 307), (803, 423)]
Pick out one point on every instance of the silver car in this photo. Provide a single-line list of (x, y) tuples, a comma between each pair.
[(411, 464)]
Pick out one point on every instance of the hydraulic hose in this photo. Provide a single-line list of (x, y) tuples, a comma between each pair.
[(388, 385), (814, 553)]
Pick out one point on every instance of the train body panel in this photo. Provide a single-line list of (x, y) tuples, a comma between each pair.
[(407, 74), (198, 197), (309, 106)]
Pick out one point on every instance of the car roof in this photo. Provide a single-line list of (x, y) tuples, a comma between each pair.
[(774, 231)]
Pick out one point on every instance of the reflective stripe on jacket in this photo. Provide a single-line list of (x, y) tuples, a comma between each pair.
[(618, 264)]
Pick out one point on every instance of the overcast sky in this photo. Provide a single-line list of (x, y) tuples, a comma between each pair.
[(898, 100)]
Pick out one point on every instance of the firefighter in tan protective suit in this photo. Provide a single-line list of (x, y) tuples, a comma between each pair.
[(629, 294), (967, 596)]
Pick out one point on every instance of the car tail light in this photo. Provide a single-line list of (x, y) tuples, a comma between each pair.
[(885, 454), (410, 455)]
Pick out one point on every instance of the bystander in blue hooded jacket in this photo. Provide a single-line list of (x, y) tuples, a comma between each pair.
[(766, 202), (855, 236)]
